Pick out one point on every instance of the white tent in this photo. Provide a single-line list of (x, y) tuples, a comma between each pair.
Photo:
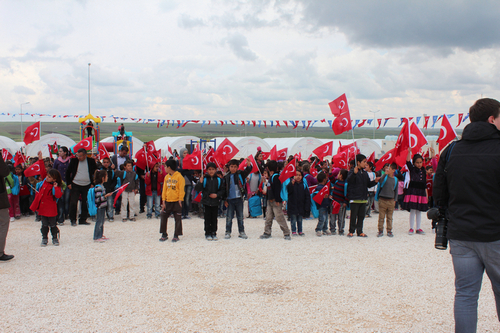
[(137, 144), (48, 139), (247, 145), (8, 144), (304, 146), (174, 142)]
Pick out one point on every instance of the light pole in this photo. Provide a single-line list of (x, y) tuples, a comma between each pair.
[(374, 122), (22, 119), (89, 87)]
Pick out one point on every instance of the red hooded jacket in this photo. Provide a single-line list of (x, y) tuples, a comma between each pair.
[(46, 200)]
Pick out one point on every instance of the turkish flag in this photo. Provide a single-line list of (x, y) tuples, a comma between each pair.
[(426, 121), (298, 156), (141, 160), (340, 160), (447, 133), (417, 138), (318, 198), (388, 157), (37, 168), (403, 141), (335, 207), (210, 158), (19, 158), (313, 171), (288, 171), (339, 106), (324, 150), (225, 152), (85, 144), (6, 155), (198, 198), (103, 152), (351, 149), (192, 161), (243, 164), (119, 192), (265, 156), (342, 123), (152, 160), (273, 154), (312, 188), (151, 148), (371, 158), (32, 133), (282, 154), (170, 150)]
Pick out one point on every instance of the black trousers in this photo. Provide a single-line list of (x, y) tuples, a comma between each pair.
[(171, 207), (358, 211), (143, 198), (74, 195), (49, 222), (210, 216)]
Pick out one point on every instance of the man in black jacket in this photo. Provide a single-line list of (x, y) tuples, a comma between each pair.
[(79, 179), (212, 189), (467, 188), (4, 210)]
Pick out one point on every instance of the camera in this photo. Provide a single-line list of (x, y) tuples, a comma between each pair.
[(439, 220)]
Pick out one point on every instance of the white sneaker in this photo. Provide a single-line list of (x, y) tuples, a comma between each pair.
[(12, 219)]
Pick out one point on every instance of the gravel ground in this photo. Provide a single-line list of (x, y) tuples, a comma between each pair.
[(134, 283)]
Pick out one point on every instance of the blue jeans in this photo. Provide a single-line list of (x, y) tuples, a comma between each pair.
[(235, 205), (339, 218), (99, 223), (63, 206), (296, 221), (155, 198), (187, 200), (110, 209), (322, 219), (470, 260)]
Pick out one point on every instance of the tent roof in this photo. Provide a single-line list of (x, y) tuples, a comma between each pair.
[(48, 139), (247, 145), (9, 144)]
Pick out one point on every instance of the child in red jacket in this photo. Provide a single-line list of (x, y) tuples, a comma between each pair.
[(46, 204)]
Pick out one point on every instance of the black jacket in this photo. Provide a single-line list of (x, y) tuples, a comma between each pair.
[(299, 199), (4, 172), (211, 186), (73, 168), (467, 182), (111, 183), (358, 184)]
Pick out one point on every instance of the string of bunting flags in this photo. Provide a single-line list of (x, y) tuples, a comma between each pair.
[(293, 124)]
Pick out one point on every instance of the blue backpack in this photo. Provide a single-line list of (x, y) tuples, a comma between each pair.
[(92, 208), (205, 184)]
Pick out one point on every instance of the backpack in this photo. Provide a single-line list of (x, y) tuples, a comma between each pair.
[(205, 184), (92, 208), (119, 180), (14, 189), (381, 185)]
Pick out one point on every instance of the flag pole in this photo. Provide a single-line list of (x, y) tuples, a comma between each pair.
[(120, 187), (146, 155)]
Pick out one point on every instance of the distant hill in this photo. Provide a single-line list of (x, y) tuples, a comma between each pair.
[(147, 132)]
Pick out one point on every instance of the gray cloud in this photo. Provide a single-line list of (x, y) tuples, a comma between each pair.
[(22, 90), (239, 45), (393, 24), (187, 22)]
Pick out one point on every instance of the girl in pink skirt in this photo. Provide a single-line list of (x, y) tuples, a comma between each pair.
[(415, 200)]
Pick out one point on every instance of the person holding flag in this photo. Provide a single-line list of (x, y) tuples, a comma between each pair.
[(109, 186), (128, 196), (322, 201), (4, 211), (357, 192), (79, 179), (61, 164), (235, 191)]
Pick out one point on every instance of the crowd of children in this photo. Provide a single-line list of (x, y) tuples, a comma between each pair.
[(361, 190)]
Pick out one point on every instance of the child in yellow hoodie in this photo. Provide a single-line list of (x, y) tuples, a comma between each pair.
[(172, 196)]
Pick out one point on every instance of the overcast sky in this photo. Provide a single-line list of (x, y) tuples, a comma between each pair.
[(246, 60)]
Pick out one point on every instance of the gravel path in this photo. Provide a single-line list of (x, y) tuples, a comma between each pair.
[(134, 283)]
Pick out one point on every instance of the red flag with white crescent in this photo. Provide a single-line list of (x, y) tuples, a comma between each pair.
[(32, 133), (339, 105), (282, 154), (36, 169), (274, 154), (225, 152), (243, 164), (335, 207), (6, 155), (288, 171), (119, 192), (85, 143), (192, 161), (342, 123), (324, 150), (322, 194), (447, 133), (388, 158), (103, 152), (371, 158)]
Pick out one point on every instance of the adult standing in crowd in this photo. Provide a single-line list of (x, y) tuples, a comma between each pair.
[(79, 179), (188, 179), (466, 191), (61, 164), (118, 159), (4, 210)]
